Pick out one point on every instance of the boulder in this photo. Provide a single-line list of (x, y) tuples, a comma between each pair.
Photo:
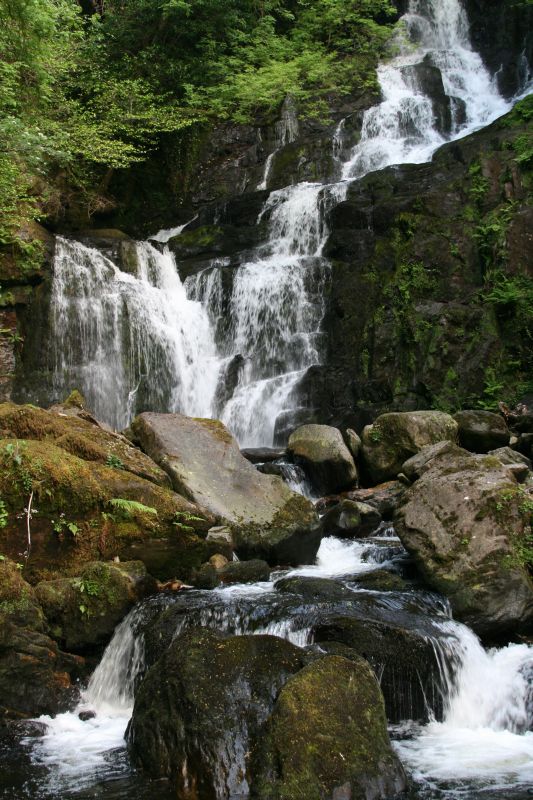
[(385, 498), (84, 610), (327, 460), (84, 511), (415, 466), (35, 676), (251, 571), (315, 590), (404, 660), (267, 519), (353, 442), (467, 523), (327, 738), (482, 431), (70, 427), (350, 520), (395, 437), (381, 580), (201, 709), (508, 456)]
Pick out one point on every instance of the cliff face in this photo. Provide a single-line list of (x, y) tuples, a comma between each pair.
[(431, 277), (430, 265)]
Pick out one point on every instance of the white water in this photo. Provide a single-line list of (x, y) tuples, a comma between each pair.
[(486, 735), (76, 751), (126, 340), (238, 352)]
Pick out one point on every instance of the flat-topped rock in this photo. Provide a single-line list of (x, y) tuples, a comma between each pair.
[(205, 465)]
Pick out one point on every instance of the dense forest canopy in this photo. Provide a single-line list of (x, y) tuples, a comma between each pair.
[(87, 87)]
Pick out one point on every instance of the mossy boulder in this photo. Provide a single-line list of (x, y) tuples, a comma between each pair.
[(395, 437), (315, 590), (327, 738), (244, 571), (84, 511), (83, 611), (70, 427), (381, 580), (203, 460), (467, 523), (201, 709), (322, 452), (482, 431)]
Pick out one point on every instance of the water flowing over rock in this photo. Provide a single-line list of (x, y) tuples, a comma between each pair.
[(205, 464), (202, 707), (466, 521)]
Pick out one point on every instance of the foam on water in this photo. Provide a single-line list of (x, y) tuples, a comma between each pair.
[(485, 738)]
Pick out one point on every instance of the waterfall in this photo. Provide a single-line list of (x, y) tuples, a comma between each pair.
[(487, 731), (129, 342), (237, 347)]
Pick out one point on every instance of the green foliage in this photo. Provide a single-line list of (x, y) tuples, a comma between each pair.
[(3, 514), (113, 460), (129, 508), (13, 459), (84, 94), (87, 586), (182, 517), (62, 526)]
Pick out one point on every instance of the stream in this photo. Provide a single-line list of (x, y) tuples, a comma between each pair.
[(150, 339), (467, 733)]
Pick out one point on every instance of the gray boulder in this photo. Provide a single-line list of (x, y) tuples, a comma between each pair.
[(482, 431), (203, 460), (350, 519), (395, 437), (467, 523), (326, 458)]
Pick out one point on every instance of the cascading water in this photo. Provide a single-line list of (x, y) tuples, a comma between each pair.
[(144, 341), (129, 341), (487, 731)]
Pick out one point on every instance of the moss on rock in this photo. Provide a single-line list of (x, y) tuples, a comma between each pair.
[(327, 737)]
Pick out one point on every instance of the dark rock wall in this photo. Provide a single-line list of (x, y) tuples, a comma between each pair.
[(413, 250), (500, 30)]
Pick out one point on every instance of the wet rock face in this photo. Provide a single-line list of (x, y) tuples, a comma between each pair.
[(202, 707), (35, 676), (422, 338), (403, 659), (268, 520), (225, 717), (323, 453), (327, 738), (467, 523), (499, 32), (395, 437)]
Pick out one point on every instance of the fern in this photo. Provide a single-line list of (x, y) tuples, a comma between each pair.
[(130, 507)]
